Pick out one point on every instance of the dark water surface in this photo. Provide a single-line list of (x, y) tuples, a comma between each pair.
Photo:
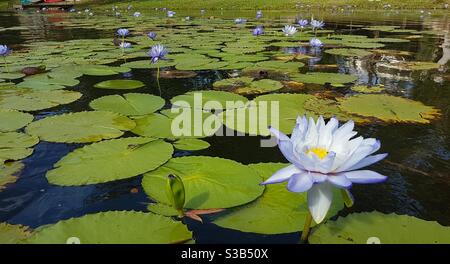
[(419, 155)]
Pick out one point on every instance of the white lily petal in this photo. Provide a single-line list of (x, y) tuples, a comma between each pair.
[(340, 181), (300, 182), (364, 176), (278, 134), (320, 197), (282, 175), (367, 161)]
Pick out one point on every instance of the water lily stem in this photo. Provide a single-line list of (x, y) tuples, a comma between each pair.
[(6, 65), (157, 81), (306, 227)]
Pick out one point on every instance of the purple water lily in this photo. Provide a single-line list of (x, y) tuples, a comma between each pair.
[(316, 24), (302, 23), (240, 21), (4, 50), (137, 14), (259, 30), (323, 155), (259, 14), (170, 13), (123, 32), (158, 52), (125, 45), (152, 35), (315, 43)]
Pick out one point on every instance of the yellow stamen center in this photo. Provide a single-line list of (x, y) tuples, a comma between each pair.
[(320, 152)]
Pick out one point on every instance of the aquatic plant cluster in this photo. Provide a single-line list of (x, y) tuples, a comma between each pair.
[(128, 134)]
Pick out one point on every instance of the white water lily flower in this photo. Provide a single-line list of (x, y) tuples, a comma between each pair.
[(323, 156), (289, 30)]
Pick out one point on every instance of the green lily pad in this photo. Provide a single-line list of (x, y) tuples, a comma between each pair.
[(277, 211), (367, 89), (45, 82), (11, 120), (389, 108), (102, 70), (13, 234), (417, 65), (189, 123), (162, 209), (8, 174), (145, 64), (260, 87), (120, 84), (324, 77), (209, 100), (16, 146), (257, 116), (81, 127), (209, 182), (27, 100), (11, 76), (190, 144), (109, 161), (376, 227), (131, 104), (280, 65), (348, 52), (123, 227), (232, 83)]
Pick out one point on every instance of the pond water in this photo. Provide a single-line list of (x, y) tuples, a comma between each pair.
[(419, 152)]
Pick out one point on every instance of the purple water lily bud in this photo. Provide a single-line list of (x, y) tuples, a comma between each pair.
[(158, 52), (4, 50), (123, 32), (152, 35), (125, 45), (302, 23), (170, 13), (315, 43), (259, 30), (240, 21), (259, 14), (137, 14)]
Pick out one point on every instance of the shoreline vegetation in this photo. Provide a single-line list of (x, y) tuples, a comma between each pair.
[(263, 4), (276, 4)]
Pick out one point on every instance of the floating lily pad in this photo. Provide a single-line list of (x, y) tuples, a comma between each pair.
[(81, 127), (190, 144), (162, 209), (8, 174), (209, 182), (102, 70), (131, 104), (367, 89), (45, 82), (145, 64), (232, 83), (27, 100), (261, 113), (417, 65), (11, 76), (348, 52), (376, 227), (16, 146), (120, 84), (13, 234), (389, 108), (324, 77), (11, 120), (187, 123), (209, 100), (110, 160), (277, 211), (124, 227), (260, 87)]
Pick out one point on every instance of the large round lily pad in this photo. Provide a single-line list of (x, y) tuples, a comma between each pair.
[(130, 104), (376, 227), (187, 123), (209, 182), (120, 84), (260, 87), (81, 127), (8, 174), (277, 211), (190, 144), (15, 146), (13, 234), (261, 113), (110, 160), (324, 77), (209, 100), (123, 227), (389, 108), (28, 100), (11, 120)]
